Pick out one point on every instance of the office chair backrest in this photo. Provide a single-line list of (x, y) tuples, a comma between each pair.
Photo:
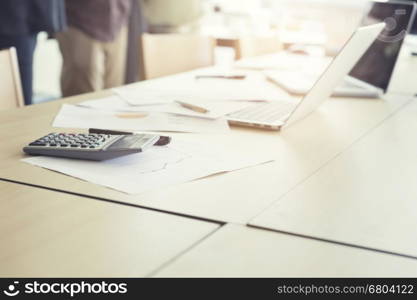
[(11, 95), (166, 54)]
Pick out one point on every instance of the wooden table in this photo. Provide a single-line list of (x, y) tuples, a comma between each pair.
[(305, 154), (239, 251), (365, 197), (50, 234), (299, 151)]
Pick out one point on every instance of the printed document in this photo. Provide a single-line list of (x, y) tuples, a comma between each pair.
[(257, 89), (216, 109), (72, 116), (179, 162)]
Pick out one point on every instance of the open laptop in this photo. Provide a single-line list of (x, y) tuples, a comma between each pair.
[(371, 75), (274, 115)]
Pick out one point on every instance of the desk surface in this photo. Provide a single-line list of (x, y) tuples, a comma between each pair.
[(303, 152), (366, 196), (49, 234), (299, 151), (238, 251)]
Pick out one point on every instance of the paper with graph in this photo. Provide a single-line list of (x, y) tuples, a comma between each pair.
[(179, 162), (216, 109), (204, 91), (72, 116)]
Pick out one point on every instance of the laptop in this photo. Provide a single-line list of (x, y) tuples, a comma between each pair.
[(371, 75), (274, 115)]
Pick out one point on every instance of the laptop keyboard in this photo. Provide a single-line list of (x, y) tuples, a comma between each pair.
[(265, 112)]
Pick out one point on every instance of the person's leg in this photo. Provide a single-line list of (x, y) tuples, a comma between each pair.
[(25, 47), (82, 68), (115, 60)]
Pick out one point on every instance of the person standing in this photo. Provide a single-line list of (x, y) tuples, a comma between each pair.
[(20, 23), (94, 46)]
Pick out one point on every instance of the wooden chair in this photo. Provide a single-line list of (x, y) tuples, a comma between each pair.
[(254, 46), (11, 95), (166, 54)]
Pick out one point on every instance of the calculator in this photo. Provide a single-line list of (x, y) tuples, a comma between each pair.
[(90, 146)]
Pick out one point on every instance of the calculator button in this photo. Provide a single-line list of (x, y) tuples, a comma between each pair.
[(38, 144)]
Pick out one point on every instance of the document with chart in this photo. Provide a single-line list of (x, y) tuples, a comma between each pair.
[(179, 162), (72, 116)]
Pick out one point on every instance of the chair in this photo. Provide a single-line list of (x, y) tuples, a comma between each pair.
[(254, 46), (11, 95), (166, 54)]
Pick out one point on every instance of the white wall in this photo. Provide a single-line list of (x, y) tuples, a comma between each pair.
[(47, 69)]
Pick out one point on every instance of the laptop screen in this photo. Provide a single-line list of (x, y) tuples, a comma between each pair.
[(377, 64), (354, 48)]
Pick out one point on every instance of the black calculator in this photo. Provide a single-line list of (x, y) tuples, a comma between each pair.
[(90, 146)]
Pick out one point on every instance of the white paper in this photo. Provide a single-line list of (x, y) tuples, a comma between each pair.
[(216, 109), (285, 61), (155, 168), (219, 72), (71, 116), (146, 96), (251, 89)]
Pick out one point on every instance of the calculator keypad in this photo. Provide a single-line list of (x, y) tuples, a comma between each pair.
[(74, 141)]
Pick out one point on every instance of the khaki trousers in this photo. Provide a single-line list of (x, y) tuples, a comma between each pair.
[(90, 65)]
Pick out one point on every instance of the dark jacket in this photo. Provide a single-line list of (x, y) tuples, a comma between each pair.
[(21, 17), (100, 19)]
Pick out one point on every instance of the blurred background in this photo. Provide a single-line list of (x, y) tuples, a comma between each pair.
[(171, 36)]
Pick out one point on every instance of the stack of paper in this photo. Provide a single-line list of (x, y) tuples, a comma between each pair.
[(73, 116), (191, 105), (216, 109), (143, 108), (253, 88), (179, 162)]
